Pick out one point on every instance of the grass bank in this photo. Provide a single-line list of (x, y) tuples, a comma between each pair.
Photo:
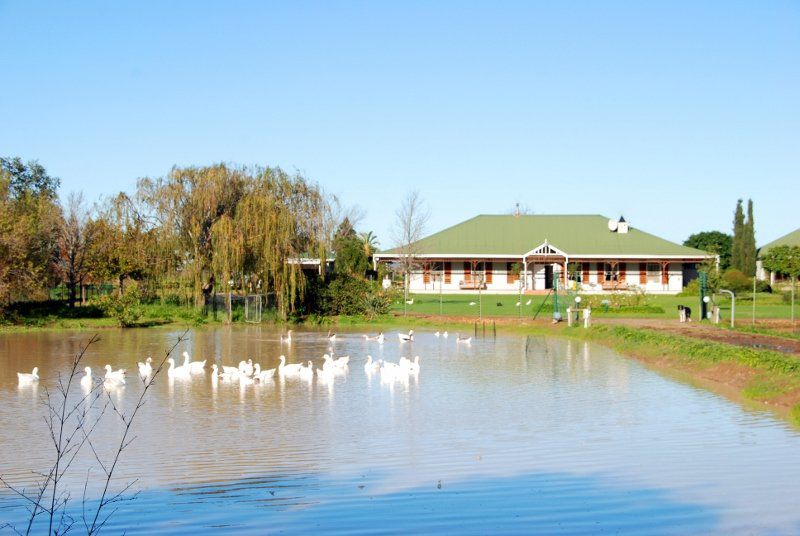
[(767, 306), (57, 316)]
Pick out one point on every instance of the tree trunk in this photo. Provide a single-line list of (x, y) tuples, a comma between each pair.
[(72, 293), (198, 290)]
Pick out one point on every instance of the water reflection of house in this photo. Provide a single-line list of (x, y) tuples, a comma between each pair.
[(501, 253)]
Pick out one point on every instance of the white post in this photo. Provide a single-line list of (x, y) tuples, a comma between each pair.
[(524, 273), (733, 304)]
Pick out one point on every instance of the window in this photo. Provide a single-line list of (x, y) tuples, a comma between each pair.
[(653, 272), (610, 272), (512, 272)]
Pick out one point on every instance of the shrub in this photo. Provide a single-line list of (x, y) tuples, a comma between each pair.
[(350, 295), (617, 300), (126, 309), (736, 281)]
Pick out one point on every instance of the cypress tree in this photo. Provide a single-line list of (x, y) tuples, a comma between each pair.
[(749, 243), (737, 249)]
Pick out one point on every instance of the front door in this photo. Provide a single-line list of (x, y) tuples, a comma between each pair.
[(548, 276)]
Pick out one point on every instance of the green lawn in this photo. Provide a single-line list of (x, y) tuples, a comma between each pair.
[(649, 306)]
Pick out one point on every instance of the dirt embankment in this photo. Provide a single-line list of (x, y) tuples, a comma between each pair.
[(690, 329), (712, 333)]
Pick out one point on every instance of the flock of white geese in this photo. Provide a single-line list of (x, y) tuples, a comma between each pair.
[(248, 372)]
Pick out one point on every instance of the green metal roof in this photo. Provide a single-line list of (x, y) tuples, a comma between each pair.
[(791, 239), (502, 235)]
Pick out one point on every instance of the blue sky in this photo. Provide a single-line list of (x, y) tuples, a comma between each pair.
[(664, 112)]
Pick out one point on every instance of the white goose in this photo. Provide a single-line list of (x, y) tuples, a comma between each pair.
[(341, 362), (172, 371), (406, 337), (463, 340), (288, 338), (246, 367), (288, 370), (115, 375), (228, 373), (112, 382), (87, 381), (31, 377), (392, 371), (371, 366), (328, 363), (410, 366), (307, 372), (263, 375), (230, 370), (146, 368), (436, 334), (326, 375), (378, 337), (332, 337), (195, 367), (444, 334)]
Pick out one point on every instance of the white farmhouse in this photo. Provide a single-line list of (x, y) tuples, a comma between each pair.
[(509, 253)]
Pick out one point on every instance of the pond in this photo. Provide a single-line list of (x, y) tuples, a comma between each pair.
[(503, 435)]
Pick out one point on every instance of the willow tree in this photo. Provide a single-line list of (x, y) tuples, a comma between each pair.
[(228, 254), (189, 202), (278, 217)]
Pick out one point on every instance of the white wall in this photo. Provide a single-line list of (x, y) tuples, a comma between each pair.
[(632, 279), (499, 280), (536, 279)]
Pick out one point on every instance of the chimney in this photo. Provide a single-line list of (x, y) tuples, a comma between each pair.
[(622, 225)]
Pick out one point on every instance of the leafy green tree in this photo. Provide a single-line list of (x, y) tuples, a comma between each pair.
[(29, 228), (749, 243), (714, 242), (370, 242), (29, 179), (737, 244), (350, 253), (783, 260)]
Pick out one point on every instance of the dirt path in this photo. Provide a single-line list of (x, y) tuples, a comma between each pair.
[(711, 333), (690, 329)]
